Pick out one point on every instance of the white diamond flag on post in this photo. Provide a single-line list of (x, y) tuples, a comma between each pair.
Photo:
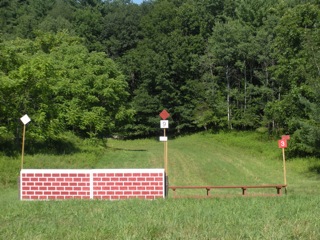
[(25, 119)]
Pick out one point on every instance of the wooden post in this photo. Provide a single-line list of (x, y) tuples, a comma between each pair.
[(167, 171), (165, 124), (165, 153), (165, 156), (25, 120), (22, 151), (284, 169)]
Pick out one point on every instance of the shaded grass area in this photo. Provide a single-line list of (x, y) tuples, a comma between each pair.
[(287, 217)]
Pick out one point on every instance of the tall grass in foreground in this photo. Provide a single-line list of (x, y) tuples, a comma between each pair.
[(287, 217)]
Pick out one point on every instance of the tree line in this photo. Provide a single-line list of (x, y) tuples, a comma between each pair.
[(99, 68)]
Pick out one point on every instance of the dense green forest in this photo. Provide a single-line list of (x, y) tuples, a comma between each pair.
[(103, 68)]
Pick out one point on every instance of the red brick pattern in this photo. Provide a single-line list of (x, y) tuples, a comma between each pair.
[(56, 185), (128, 185), (37, 184)]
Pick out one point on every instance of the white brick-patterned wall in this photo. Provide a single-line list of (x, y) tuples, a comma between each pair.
[(46, 184)]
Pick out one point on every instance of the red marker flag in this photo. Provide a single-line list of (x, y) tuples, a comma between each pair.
[(285, 137), (282, 143), (164, 114)]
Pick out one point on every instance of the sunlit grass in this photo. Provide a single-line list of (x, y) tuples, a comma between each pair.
[(200, 159), (287, 217)]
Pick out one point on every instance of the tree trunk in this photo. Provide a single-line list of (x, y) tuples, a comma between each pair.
[(228, 98)]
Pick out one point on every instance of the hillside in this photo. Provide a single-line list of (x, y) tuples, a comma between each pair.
[(217, 159), (199, 159)]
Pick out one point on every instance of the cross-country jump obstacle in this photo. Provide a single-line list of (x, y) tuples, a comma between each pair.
[(112, 184), (115, 184), (278, 187), (164, 124)]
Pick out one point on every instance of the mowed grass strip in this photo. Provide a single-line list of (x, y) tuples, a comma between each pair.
[(214, 163)]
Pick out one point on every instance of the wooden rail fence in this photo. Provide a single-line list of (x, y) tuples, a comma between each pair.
[(244, 188)]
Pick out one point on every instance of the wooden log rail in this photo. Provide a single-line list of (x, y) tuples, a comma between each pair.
[(244, 188)]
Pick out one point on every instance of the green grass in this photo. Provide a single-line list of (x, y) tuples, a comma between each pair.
[(200, 159), (291, 217)]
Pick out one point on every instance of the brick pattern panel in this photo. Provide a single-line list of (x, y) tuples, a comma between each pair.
[(111, 184), (128, 185), (38, 186)]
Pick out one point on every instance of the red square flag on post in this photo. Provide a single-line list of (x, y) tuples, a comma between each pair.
[(285, 137), (282, 143)]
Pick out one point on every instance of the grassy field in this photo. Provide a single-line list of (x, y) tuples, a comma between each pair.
[(200, 159)]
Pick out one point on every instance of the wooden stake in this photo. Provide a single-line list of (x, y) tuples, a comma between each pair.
[(23, 138), (165, 154), (166, 146), (284, 169)]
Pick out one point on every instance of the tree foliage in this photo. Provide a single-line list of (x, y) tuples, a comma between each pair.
[(62, 87), (213, 64)]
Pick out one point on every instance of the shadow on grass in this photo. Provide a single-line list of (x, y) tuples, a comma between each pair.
[(9, 149), (315, 169), (126, 149), (55, 147)]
